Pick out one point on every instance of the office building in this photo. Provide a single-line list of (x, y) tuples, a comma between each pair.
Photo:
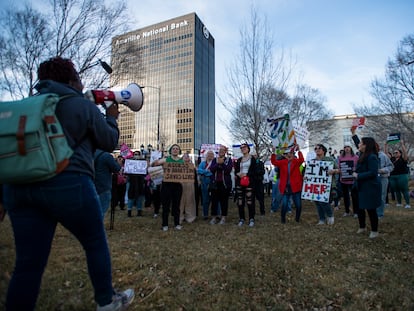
[(174, 63)]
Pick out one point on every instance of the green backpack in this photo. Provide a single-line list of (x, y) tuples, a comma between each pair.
[(33, 146)]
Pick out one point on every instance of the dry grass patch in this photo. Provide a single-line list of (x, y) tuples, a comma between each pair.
[(225, 267)]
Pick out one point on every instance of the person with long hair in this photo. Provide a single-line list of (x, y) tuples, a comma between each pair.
[(368, 185)]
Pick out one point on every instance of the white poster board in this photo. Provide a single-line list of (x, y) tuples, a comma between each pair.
[(135, 167), (316, 182)]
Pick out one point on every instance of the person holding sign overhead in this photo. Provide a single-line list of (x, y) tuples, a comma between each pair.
[(290, 180), (368, 185), (171, 191)]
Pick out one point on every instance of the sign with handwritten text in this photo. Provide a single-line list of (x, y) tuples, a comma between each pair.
[(316, 182), (178, 172), (135, 167)]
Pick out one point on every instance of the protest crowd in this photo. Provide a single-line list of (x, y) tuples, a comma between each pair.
[(179, 190)]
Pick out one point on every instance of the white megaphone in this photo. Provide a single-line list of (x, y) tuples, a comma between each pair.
[(132, 97)]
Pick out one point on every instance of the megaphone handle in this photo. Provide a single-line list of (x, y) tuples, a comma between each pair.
[(111, 109)]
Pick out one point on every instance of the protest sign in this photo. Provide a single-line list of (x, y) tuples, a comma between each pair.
[(281, 132), (125, 152), (302, 136), (347, 168), (207, 147), (316, 182), (135, 167), (157, 174), (237, 152), (178, 172), (393, 138), (358, 123)]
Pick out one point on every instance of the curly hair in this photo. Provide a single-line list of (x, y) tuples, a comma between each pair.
[(57, 69)]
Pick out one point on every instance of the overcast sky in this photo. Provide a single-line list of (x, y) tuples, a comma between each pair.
[(340, 46)]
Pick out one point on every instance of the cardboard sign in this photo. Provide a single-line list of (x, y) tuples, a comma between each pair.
[(138, 167), (178, 172), (316, 182)]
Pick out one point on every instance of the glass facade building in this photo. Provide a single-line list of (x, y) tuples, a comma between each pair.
[(173, 62)]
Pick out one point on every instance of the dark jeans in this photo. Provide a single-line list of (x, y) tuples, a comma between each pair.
[(35, 210), (220, 195), (156, 199), (170, 199), (118, 196), (296, 197), (373, 218), (346, 190), (259, 192)]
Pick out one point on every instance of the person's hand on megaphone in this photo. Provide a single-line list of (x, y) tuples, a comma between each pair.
[(113, 110)]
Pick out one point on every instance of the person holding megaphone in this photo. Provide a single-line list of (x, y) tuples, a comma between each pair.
[(68, 198)]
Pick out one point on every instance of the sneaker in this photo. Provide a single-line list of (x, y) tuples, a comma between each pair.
[(321, 222), (373, 234), (361, 230), (241, 222), (213, 221), (178, 227), (407, 206), (345, 215), (355, 215), (331, 220), (251, 223), (120, 301), (165, 228), (222, 221), (155, 215), (398, 205)]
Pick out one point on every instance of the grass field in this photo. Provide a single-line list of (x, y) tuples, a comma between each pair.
[(226, 267)]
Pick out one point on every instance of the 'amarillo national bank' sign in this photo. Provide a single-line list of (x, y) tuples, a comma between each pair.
[(152, 32)]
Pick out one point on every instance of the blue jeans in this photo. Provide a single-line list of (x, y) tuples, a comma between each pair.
[(105, 199), (35, 210), (384, 189), (297, 200), (324, 210), (205, 199), (138, 202), (276, 197)]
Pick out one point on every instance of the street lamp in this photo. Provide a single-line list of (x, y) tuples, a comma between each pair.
[(142, 151), (158, 88)]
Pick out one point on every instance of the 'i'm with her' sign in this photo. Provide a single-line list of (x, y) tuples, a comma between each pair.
[(316, 182)]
